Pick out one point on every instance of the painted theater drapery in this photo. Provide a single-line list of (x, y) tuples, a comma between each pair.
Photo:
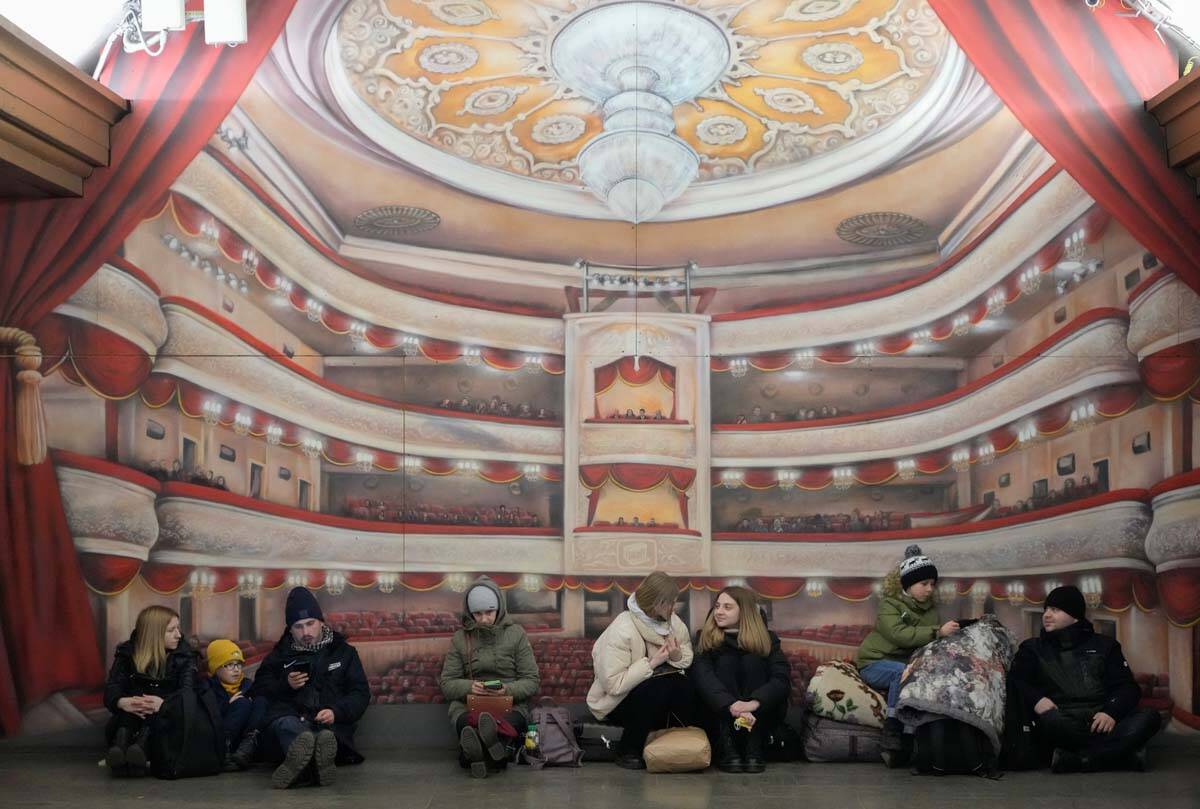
[(50, 249), (1078, 80)]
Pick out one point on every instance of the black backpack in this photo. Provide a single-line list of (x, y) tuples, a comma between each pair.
[(1019, 747), (950, 747), (186, 737)]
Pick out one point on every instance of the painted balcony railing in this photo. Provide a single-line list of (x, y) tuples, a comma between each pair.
[(207, 350), (1105, 530), (1086, 354)]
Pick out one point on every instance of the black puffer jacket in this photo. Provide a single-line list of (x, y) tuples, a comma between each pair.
[(180, 673), (336, 680), (727, 674), (1079, 670)]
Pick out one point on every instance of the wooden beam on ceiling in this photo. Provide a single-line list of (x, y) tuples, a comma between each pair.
[(1177, 109), (55, 121)]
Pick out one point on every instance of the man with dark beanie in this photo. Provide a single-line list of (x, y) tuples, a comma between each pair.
[(1081, 691), (318, 691)]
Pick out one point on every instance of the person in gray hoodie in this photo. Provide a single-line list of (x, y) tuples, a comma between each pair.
[(489, 657)]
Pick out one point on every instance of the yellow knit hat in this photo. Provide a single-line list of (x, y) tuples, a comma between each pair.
[(222, 651)]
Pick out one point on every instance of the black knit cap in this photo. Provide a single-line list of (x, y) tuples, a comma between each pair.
[(302, 605), (916, 567), (1068, 599)]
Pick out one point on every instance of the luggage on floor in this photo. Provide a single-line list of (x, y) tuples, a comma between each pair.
[(597, 740), (556, 746), (950, 747), (784, 744), (186, 737), (677, 750), (826, 740), (1019, 747)]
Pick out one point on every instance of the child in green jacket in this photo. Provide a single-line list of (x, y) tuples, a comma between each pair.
[(908, 619)]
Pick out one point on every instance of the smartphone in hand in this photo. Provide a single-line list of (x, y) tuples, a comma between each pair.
[(493, 685)]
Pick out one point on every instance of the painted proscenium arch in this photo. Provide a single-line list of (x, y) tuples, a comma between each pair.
[(1087, 355)]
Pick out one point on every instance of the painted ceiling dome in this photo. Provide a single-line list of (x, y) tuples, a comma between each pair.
[(813, 94)]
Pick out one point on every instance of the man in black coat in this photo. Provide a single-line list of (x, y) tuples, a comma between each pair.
[(318, 691), (1082, 692)]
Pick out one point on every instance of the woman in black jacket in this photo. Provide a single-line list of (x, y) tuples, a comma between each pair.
[(153, 664), (742, 677)]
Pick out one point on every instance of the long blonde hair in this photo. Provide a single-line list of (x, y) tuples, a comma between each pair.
[(752, 629), (150, 644)]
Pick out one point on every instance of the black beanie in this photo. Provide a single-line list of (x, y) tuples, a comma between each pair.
[(1068, 599), (915, 567), (301, 605)]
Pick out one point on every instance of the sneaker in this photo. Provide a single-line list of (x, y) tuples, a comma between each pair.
[(630, 761), (472, 751), (490, 738), (115, 757), (324, 758), (1065, 761), (294, 763)]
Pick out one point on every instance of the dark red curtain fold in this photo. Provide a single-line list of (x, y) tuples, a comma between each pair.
[(775, 588), (851, 589), (1179, 594), (1172, 372), (108, 575), (1078, 79), (165, 578), (51, 247)]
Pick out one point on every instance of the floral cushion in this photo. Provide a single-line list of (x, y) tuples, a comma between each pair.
[(837, 692)]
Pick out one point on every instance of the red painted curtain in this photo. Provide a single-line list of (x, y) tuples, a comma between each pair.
[(1078, 80), (50, 248)]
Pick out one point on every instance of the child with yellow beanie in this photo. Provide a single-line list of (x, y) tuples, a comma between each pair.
[(241, 714)]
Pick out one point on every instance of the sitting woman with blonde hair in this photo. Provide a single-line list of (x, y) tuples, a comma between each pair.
[(154, 663), (639, 661), (743, 679)]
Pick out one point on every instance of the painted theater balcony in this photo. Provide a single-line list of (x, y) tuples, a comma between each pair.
[(109, 507), (1106, 530), (1084, 355), (209, 351), (212, 188), (116, 511), (1029, 234), (123, 300)]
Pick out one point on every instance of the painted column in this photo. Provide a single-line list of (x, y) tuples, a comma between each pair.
[(594, 340)]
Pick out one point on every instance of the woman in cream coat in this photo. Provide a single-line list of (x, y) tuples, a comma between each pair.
[(639, 662)]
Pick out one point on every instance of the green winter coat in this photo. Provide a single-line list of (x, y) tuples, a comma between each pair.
[(903, 626), (497, 652)]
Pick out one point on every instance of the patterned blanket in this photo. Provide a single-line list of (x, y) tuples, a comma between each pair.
[(837, 692), (961, 677)]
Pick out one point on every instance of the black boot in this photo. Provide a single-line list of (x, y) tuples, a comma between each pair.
[(135, 753), (489, 737), (241, 757), (295, 762), (325, 758), (116, 753), (893, 734), (755, 761), (471, 753), (728, 757)]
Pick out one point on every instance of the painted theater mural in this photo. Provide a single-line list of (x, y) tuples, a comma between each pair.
[(388, 331)]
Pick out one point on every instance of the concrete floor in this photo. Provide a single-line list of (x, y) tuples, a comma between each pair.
[(48, 774)]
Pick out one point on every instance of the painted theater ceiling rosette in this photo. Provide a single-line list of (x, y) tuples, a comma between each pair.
[(472, 78)]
